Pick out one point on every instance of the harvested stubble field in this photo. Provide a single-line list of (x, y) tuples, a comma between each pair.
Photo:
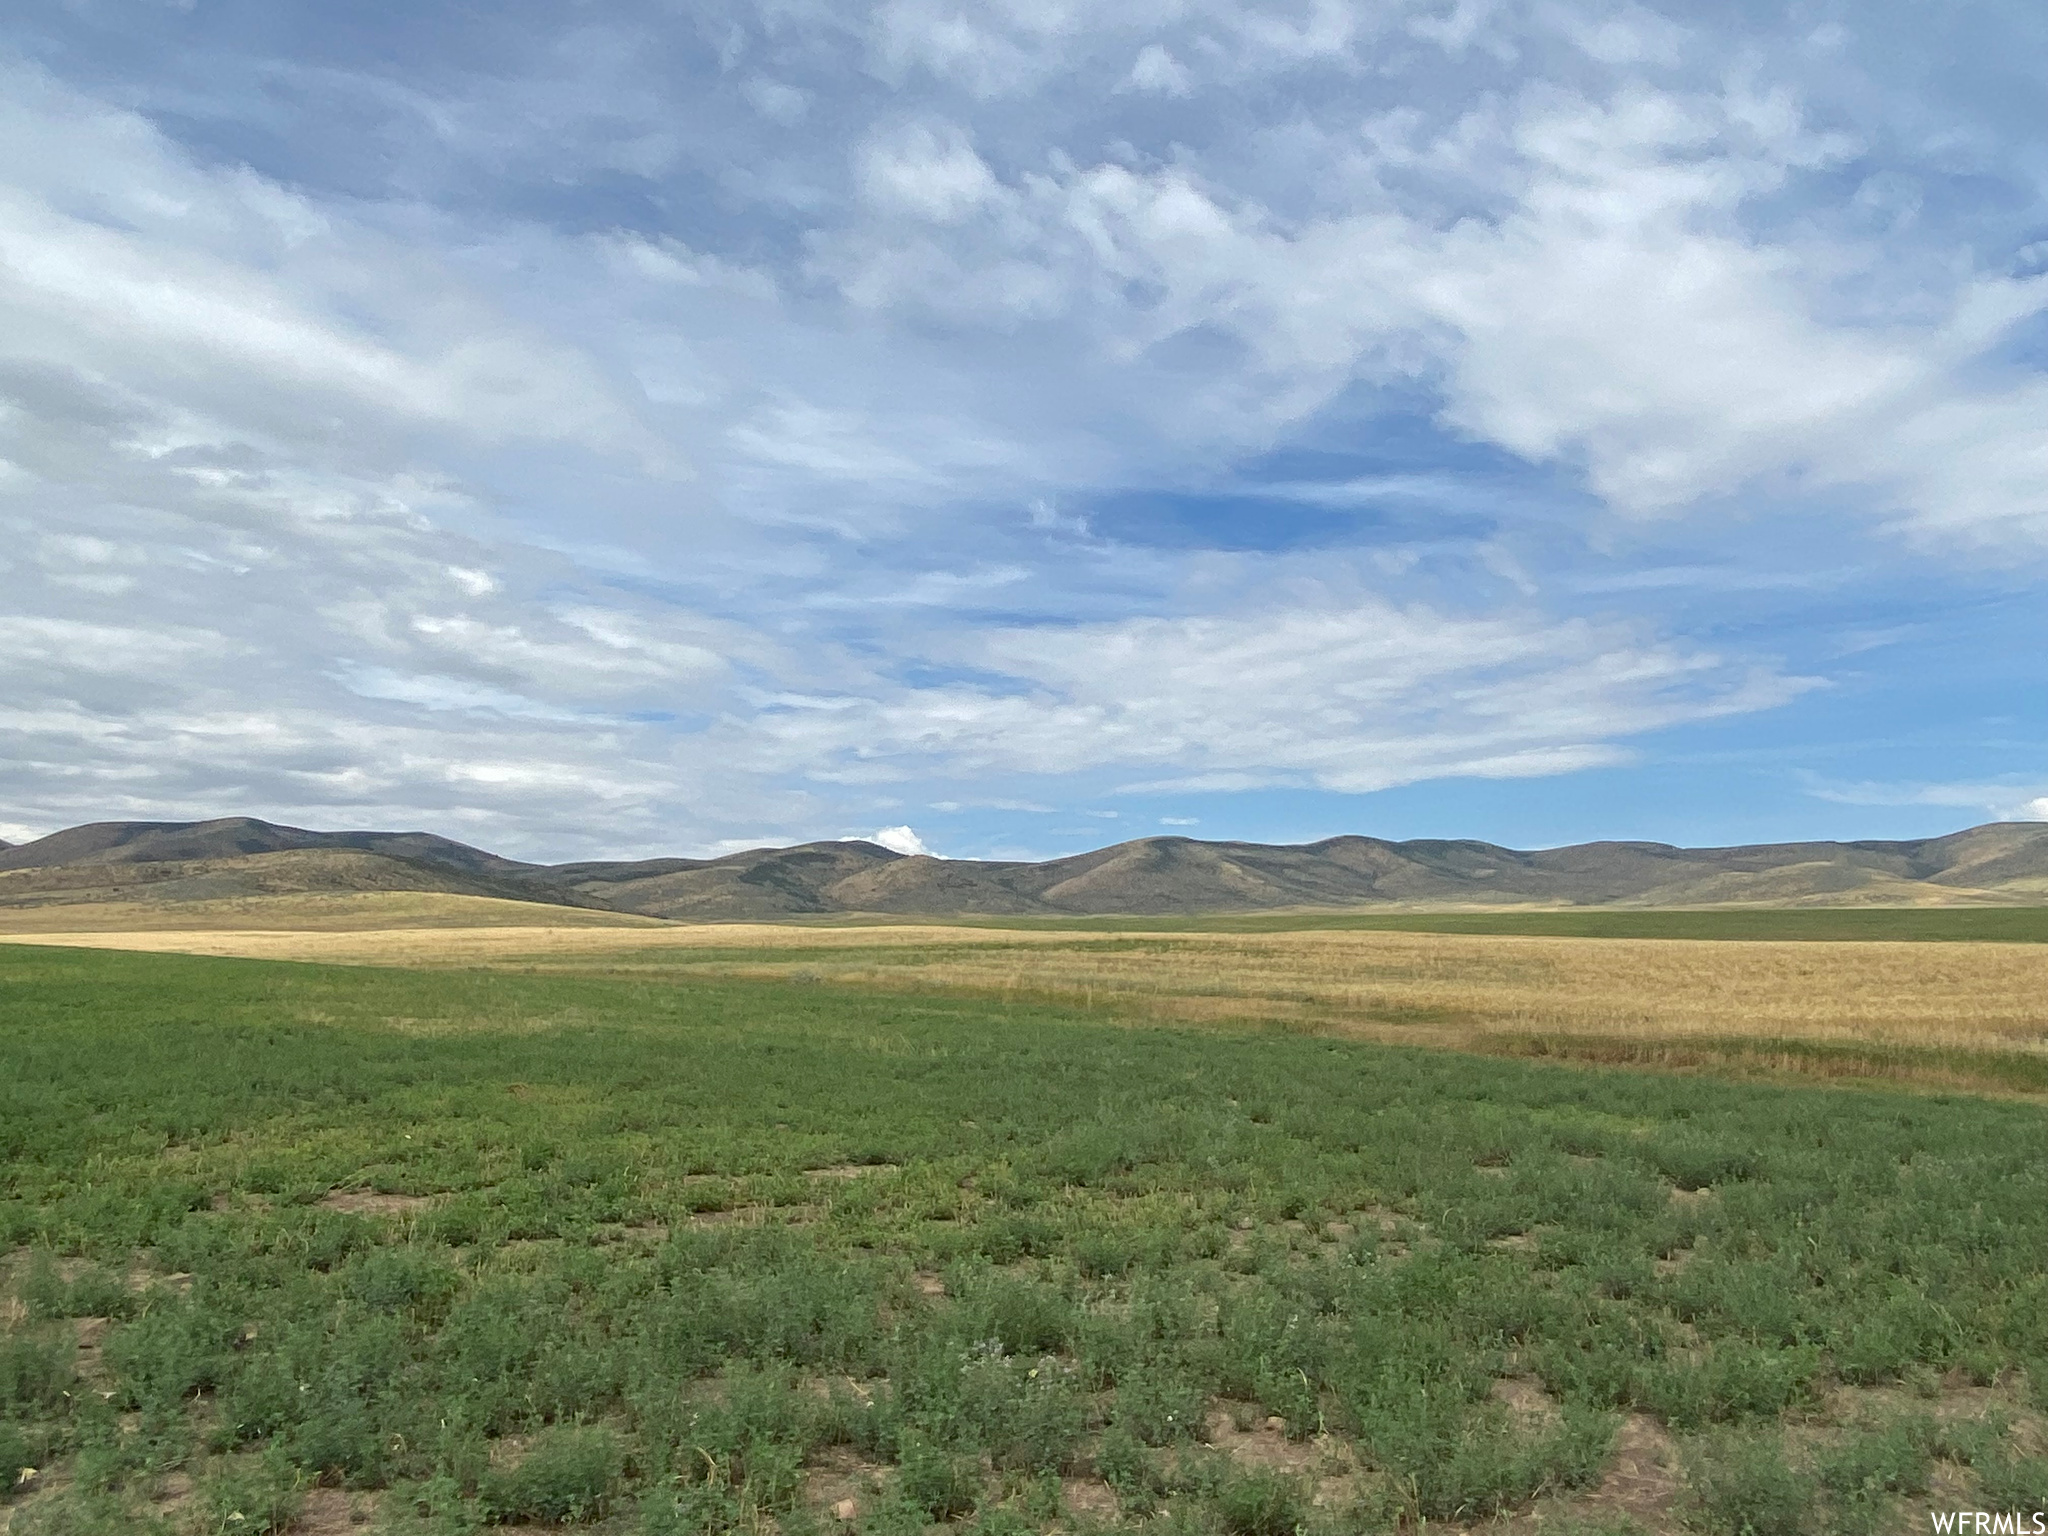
[(306, 1246), (1971, 1015)]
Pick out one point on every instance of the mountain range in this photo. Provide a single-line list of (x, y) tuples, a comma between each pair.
[(238, 857)]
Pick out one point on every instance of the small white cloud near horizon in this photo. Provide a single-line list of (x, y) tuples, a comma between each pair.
[(1180, 821), (903, 840)]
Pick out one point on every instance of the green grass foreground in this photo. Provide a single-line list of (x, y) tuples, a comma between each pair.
[(702, 1257)]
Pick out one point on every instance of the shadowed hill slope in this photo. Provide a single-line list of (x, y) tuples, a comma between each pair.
[(152, 842), (763, 882), (165, 862), (287, 872)]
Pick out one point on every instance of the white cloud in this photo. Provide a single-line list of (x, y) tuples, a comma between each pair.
[(1611, 306), (773, 99), (926, 171), (245, 306), (902, 840), (1355, 697), (592, 438), (1629, 34), (1009, 49), (1159, 73)]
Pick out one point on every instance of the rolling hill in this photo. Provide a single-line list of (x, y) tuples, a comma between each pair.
[(2003, 863)]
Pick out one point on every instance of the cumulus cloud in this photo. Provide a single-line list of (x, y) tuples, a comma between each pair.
[(927, 172), (902, 840), (1607, 302)]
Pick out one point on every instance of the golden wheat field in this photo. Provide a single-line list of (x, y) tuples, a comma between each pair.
[(1940, 1014)]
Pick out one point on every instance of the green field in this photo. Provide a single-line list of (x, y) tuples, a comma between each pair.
[(454, 1248), (1927, 925)]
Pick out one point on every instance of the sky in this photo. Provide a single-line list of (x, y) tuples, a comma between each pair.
[(631, 428)]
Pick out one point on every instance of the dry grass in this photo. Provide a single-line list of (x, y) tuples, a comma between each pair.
[(310, 912), (1949, 1015)]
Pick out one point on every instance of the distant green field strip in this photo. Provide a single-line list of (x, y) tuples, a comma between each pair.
[(2001, 925)]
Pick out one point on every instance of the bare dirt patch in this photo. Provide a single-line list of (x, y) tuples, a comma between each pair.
[(840, 1483), (368, 1202), (1329, 1464), (851, 1170), (172, 1492), (330, 1512), (1674, 1262), (824, 1388), (1643, 1481), (1265, 1444), (1088, 1496), (1525, 1398)]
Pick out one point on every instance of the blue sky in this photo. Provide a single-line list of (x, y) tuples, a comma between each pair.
[(632, 428)]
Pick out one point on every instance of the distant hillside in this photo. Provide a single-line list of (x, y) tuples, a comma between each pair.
[(238, 856), (152, 842), (2003, 863)]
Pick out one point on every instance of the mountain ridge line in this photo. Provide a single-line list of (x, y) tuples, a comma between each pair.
[(1998, 863)]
